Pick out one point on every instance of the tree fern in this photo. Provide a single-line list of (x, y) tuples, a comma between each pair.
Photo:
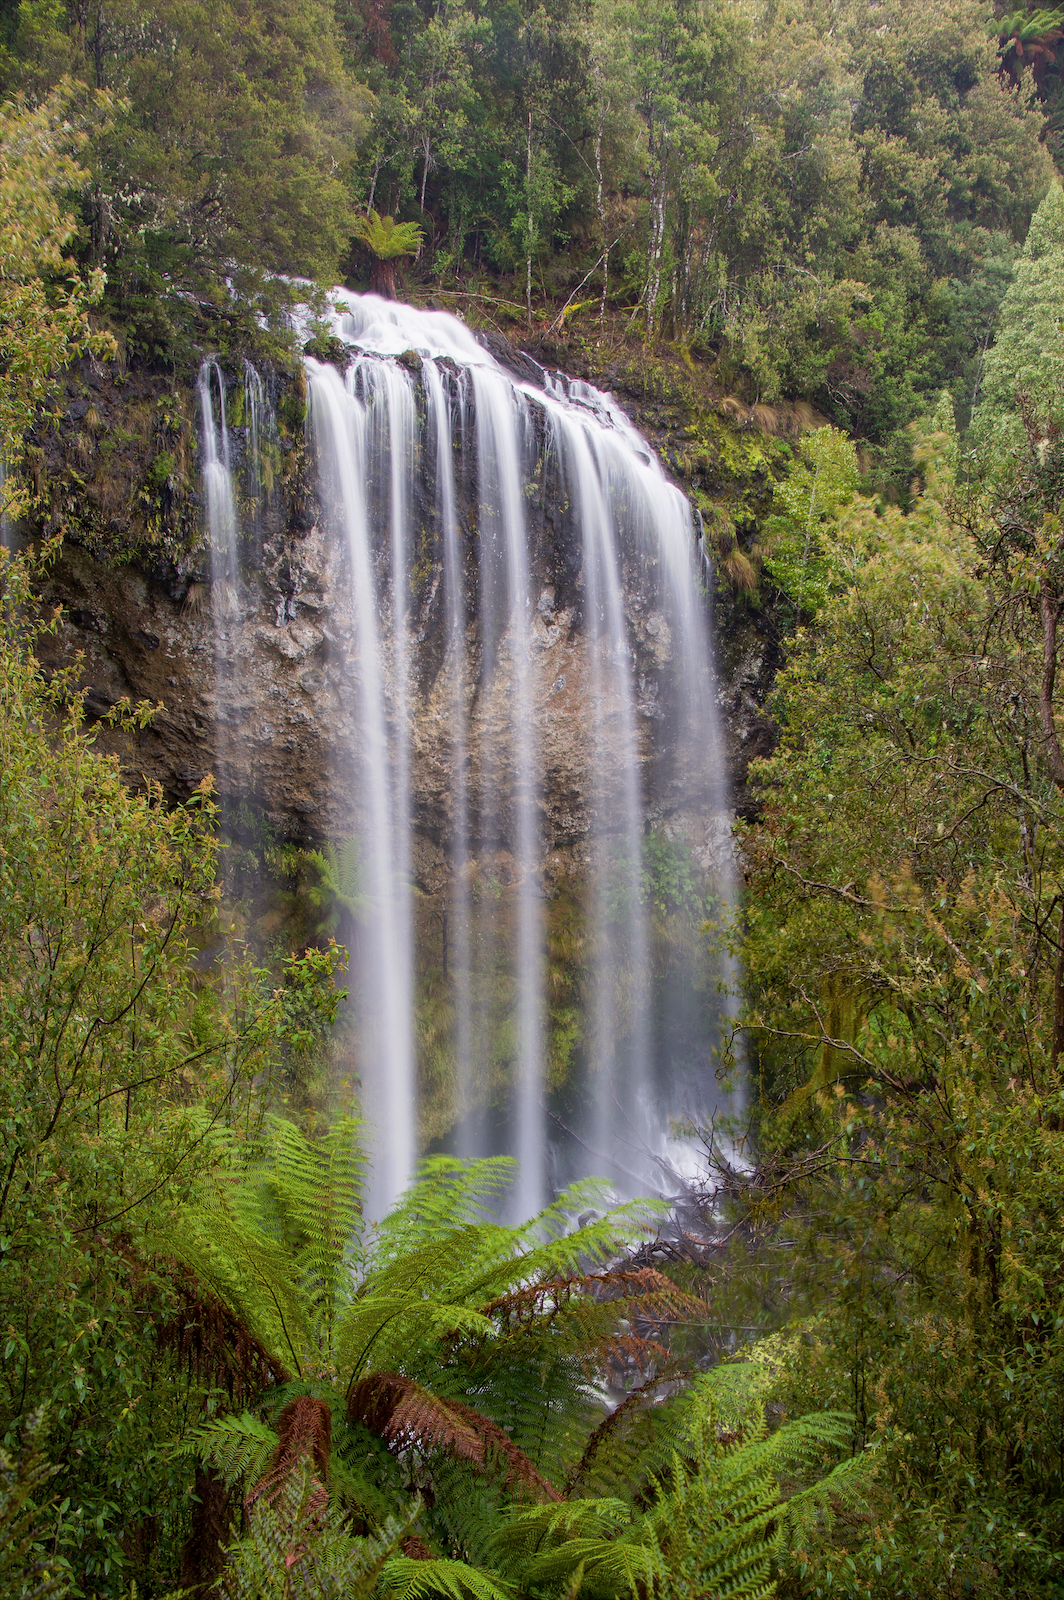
[(404, 1578), (445, 1350), (339, 890), (402, 1412), (716, 1517), (236, 1448), (386, 238), (293, 1550)]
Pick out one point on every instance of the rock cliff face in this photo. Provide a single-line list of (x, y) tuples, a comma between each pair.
[(149, 628)]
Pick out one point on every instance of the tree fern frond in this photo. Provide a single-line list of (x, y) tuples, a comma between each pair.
[(465, 1510), (528, 1532), (405, 1578), (387, 238), (249, 1273), (554, 1245), (717, 1531), (362, 1491), (626, 1428), (304, 1444), (539, 1396), (454, 1256), (402, 1413), (295, 1550), (600, 1566), (645, 1291), (237, 1448), (27, 1569), (379, 1329), (305, 1194), (813, 1508), (446, 1194), (644, 1433)]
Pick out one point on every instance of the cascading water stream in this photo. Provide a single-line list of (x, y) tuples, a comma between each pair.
[(260, 436), (501, 422), (219, 493), (458, 959), (342, 429), (585, 457), (223, 530), (630, 526)]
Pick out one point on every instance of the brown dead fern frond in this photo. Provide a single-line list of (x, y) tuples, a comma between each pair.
[(416, 1548), (304, 1440), (404, 1414), (213, 1341), (618, 1421), (540, 1302), (631, 1351)]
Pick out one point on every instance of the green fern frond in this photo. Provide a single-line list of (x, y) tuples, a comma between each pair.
[(446, 1194), (541, 1528), (360, 1489), (379, 1331), (466, 1510), (813, 1509), (404, 1413), (404, 1578), (27, 1568), (249, 1273), (307, 1194), (277, 1242), (237, 1448), (293, 1551), (339, 886), (387, 238)]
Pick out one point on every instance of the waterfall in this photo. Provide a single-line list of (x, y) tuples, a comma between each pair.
[(219, 493), (457, 488), (596, 477), (457, 913), (347, 417), (261, 436)]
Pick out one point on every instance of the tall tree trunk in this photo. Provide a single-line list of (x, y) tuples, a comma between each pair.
[(382, 278), (531, 220), (425, 170), (600, 202), (658, 196), (1051, 606), (1058, 1003)]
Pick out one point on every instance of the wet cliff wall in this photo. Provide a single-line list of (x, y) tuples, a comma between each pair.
[(118, 468)]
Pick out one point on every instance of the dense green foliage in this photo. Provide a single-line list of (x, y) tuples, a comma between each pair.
[(116, 1057), (206, 1342), (1027, 352), (905, 961), (44, 321), (446, 1353), (822, 203)]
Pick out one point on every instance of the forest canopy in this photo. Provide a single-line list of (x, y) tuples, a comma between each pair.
[(825, 202)]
